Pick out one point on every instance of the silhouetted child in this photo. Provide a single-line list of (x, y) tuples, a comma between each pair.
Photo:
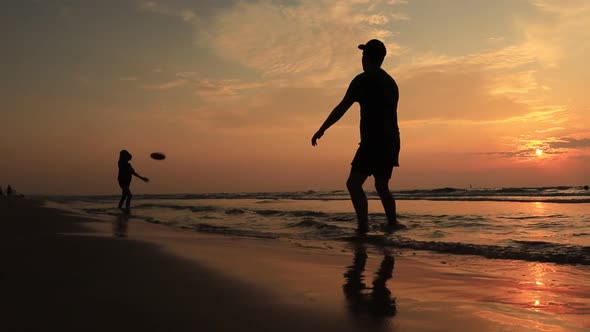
[(125, 174), (1, 192), (9, 190)]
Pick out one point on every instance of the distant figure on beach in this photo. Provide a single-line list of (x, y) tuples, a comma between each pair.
[(9, 191), (1, 192), (125, 174), (378, 152)]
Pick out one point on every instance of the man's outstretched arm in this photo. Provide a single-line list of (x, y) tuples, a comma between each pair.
[(334, 116)]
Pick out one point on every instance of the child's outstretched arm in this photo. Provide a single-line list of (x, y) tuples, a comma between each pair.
[(141, 177)]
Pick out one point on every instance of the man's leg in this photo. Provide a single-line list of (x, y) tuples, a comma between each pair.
[(382, 187), (359, 199)]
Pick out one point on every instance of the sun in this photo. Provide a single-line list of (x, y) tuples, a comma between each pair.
[(539, 152)]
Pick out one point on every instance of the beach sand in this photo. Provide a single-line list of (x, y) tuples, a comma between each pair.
[(66, 272)]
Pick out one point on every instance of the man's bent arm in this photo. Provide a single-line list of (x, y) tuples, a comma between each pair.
[(337, 113), (334, 116)]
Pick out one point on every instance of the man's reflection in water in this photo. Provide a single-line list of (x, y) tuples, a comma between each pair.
[(121, 225), (376, 301)]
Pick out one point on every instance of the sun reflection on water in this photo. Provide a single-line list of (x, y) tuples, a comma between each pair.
[(536, 291)]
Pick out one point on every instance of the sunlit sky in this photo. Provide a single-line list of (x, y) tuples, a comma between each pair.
[(232, 92)]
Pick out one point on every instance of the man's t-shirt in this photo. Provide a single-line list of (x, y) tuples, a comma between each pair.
[(378, 94)]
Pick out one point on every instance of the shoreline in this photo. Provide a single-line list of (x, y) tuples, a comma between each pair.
[(70, 272)]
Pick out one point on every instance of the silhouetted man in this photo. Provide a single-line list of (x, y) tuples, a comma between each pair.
[(377, 93)]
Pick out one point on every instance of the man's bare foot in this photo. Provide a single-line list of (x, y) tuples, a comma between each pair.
[(362, 228), (394, 226)]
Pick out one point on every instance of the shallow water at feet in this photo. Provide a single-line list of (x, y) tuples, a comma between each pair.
[(532, 230)]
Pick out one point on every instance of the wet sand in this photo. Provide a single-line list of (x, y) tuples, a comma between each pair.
[(67, 272)]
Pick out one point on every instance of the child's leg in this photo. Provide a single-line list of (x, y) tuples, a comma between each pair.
[(128, 202), (125, 196)]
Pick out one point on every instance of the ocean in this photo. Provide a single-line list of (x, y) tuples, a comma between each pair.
[(548, 224)]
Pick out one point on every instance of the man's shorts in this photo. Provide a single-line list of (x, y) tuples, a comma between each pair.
[(377, 160)]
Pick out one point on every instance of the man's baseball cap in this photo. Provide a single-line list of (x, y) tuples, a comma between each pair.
[(374, 47)]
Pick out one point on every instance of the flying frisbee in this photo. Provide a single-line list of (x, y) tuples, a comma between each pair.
[(158, 155)]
